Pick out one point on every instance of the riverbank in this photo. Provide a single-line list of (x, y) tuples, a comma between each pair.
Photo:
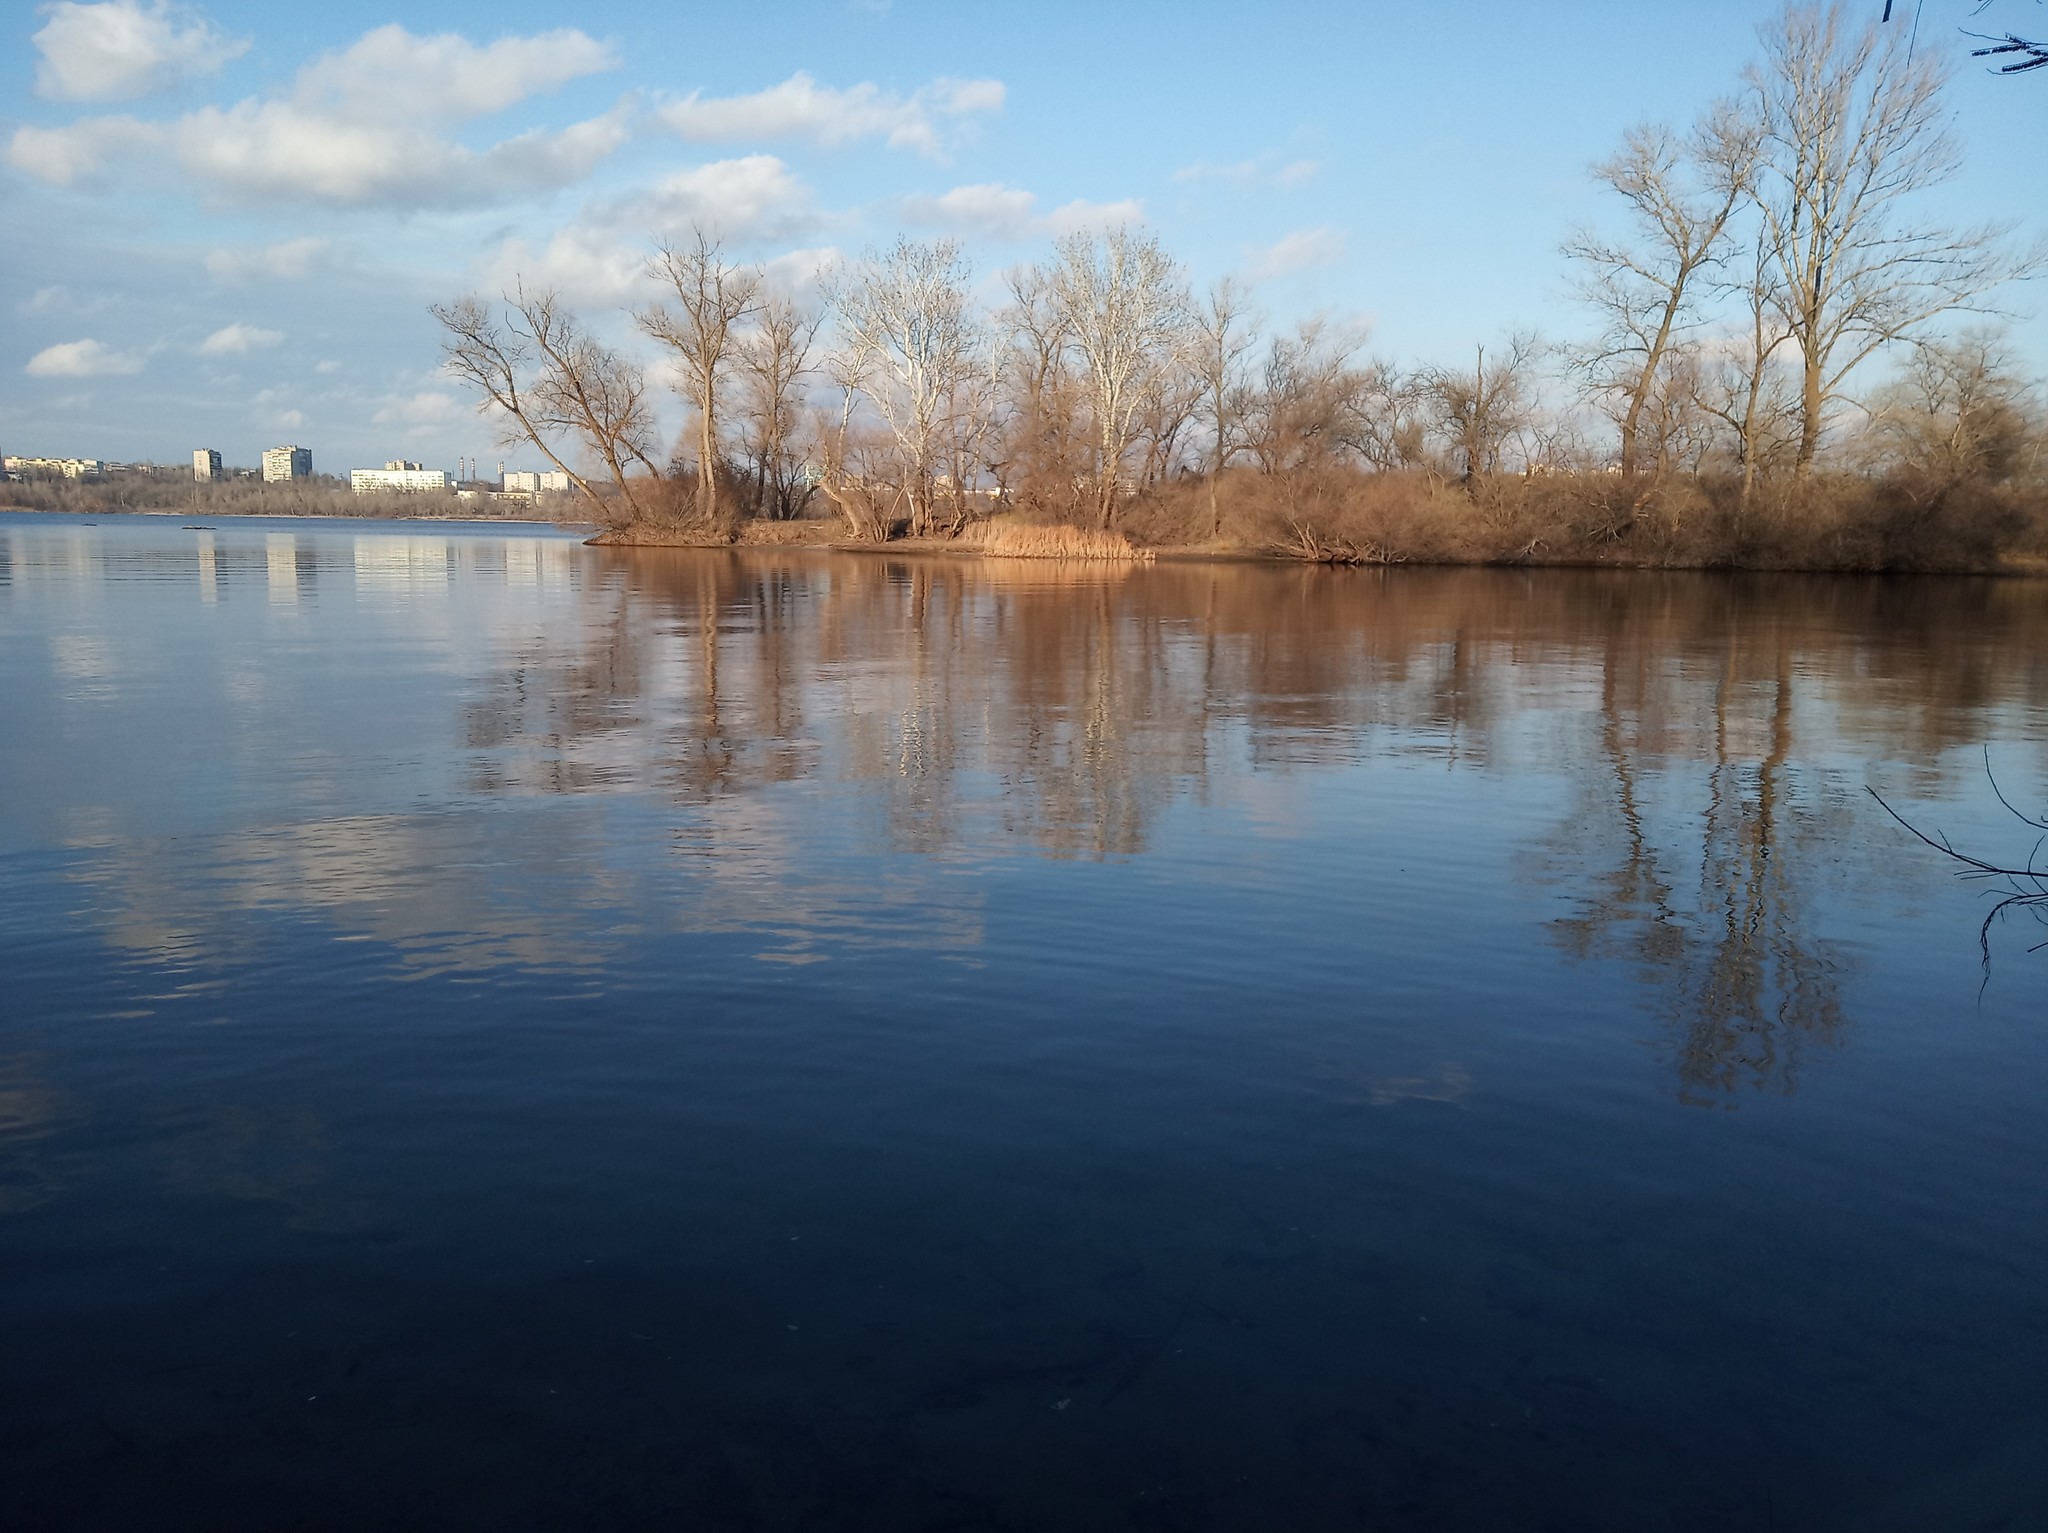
[(1835, 549), (1000, 538), (1839, 524)]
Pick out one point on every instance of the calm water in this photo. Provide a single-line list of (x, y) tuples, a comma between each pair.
[(498, 1034)]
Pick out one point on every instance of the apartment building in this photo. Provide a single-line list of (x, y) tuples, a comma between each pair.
[(399, 477), (282, 464)]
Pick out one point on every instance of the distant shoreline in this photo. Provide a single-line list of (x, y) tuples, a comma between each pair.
[(831, 537), (188, 514), (822, 536)]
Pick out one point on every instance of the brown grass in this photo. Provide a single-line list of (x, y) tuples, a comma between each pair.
[(1024, 540), (1824, 522)]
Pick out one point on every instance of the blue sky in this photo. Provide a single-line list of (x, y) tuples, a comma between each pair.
[(228, 218)]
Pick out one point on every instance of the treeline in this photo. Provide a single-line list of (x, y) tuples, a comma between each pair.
[(1720, 409), (322, 495)]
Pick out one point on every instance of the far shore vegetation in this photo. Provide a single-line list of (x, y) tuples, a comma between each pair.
[(176, 493), (1783, 366)]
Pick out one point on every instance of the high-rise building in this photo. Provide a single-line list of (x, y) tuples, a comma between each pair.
[(205, 465), (283, 463)]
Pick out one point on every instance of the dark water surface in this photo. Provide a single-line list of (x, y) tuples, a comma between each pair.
[(497, 1034)]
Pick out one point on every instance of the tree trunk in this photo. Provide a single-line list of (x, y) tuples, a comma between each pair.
[(707, 470), (1811, 402)]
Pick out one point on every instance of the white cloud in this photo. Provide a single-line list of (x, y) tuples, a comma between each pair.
[(329, 366), (1264, 169), (601, 258), (429, 407), (236, 340), (1080, 214), (288, 420), (119, 50), (246, 263), (362, 126), (278, 149), (997, 211), (586, 265), (988, 208), (755, 197), (801, 108), (392, 73), (796, 272), (82, 359), (1303, 250), (63, 156), (45, 300)]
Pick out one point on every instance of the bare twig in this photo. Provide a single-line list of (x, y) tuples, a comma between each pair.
[(2024, 887)]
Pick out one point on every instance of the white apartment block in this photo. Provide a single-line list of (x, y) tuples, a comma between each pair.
[(70, 468), (549, 483), (282, 464), (205, 465), (399, 477)]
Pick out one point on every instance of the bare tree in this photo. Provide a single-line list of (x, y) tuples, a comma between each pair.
[(1224, 331), (1163, 420), (908, 338), (549, 379), (1960, 411), (1481, 411), (1852, 125), (1743, 386), (774, 359), (1046, 455), (711, 297), (851, 455), (1301, 413), (1682, 195), (974, 432), (1122, 300), (1384, 428)]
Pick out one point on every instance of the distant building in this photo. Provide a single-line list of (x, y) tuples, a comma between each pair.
[(70, 468), (281, 464), (550, 483), (205, 465), (399, 477)]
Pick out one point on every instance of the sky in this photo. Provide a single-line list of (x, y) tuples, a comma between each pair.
[(227, 220)]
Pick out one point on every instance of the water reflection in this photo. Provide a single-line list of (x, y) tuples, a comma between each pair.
[(833, 753), (1690, 848), (32, 1112)]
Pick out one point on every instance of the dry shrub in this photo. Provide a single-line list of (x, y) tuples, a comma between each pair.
[(1025, 540), (668, 510), (1820, 522)]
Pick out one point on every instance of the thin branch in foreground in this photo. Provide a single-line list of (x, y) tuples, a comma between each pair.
[(2024, 887), (2033, 55)]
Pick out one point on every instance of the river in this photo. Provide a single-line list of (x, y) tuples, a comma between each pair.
[(498, 1033)]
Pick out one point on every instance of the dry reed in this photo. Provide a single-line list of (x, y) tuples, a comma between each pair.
[(1021, 540)]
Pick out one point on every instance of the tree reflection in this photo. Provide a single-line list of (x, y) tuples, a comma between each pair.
[(810, 746), (1746, 980)]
